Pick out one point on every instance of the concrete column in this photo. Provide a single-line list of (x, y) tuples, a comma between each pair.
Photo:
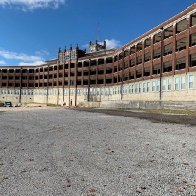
[(188, 43), (135, 62), (152, 55), (143, 53), (174, 50)]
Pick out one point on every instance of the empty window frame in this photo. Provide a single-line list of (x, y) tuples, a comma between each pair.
[(100, 72), (93, 72), (193, 19), (147, 42), (126, 65), (147, 71), (157, 53), (192, 60), (138, 73), (132, 50), (79, 64), (139, 46), (100, 61), (167, 66), (168, 49), (193, 39), (168, 32), (147, 56), (108, 70), (109, 60), (156, 69), (181, 63), (181, 26), (181, 44), (85, 73), (86, 63), (126, 53), (139, 59), (132, 62), (115, 58), (157, 38), (93, 62)]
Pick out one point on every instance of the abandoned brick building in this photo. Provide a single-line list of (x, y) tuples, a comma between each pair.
[(159, 66)]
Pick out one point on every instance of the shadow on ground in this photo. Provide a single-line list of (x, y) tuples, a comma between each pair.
[(153, 117)]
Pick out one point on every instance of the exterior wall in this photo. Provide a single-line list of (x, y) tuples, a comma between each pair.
[(173, 90)]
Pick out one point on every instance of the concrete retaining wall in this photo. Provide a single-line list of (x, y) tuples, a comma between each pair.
[(148, 105)]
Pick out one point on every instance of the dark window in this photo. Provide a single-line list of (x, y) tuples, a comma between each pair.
[(181, 44), (109, 60), (147, 42), (168, 32), (93, 62), (193, 60), (139, 46), (147, 57), (168, 49), (156, 69), (157, 38), (132, 62), (157, 53), (181, 63), (193, 39), (167, 66), (139, 59)]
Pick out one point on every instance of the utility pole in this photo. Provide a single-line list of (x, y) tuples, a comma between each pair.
[(88, 98), (122, 78)]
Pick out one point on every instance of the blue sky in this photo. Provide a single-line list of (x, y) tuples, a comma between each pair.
[(32, 30)]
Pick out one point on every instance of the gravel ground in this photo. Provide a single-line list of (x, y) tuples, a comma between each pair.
[(56, 151)]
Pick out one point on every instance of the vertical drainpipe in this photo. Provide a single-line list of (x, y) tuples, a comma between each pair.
[(89, 80), (20, 85), (161, 70), (58, 82), (69, 65), (122, 78), (47, 86), (76, 75), (64, 75)]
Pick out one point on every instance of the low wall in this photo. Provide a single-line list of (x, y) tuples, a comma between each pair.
[(148, 105)]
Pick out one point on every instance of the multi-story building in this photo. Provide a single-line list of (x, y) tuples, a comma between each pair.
[(159, 66)]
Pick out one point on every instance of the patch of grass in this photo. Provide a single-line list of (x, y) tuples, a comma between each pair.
[(52, 105), (172, 111)]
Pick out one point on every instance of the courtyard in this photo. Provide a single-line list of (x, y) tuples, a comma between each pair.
[(57, 151)]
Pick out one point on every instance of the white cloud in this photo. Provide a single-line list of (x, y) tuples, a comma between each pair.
[(2, 62), (23, 59), (18, 56), (112, 43), (31, 63), (31, 4)]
